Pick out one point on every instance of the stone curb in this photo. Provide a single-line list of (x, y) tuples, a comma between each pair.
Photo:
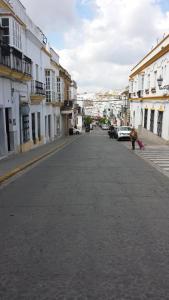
[(8, 175)]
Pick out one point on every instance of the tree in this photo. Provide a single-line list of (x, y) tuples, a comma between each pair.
[(87, 120)]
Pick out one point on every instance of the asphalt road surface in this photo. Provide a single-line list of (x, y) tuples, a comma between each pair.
[(90, 222)]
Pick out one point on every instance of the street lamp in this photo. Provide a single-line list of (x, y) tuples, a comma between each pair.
[(160, 81)]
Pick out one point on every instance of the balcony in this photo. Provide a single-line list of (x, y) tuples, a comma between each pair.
[(132, 95), (38, 92), (153, 90), (140, 94), (13, 64), (67, 107), (57, 103)]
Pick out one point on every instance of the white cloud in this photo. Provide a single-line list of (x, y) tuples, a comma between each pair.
[(100, 52), (120, 35), (53, 15)]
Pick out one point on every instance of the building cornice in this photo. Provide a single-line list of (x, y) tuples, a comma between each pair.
[(11, 13), (150, 52), (163, 51), (46, 51), (54, 64), (149, 98)]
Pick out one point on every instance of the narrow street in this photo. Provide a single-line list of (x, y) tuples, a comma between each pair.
[(90, 222)]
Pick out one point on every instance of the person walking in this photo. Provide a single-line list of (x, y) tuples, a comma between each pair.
[(133, 137), (111, 132)]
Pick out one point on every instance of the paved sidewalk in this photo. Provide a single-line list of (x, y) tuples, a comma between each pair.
[(149, 143), (17, 162)]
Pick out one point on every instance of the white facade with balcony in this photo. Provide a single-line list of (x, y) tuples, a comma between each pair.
[(31, 88), (149, 97)]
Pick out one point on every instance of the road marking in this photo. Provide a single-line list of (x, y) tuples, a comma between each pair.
[(159, 158)]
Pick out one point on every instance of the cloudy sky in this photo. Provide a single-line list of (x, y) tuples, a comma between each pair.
[(99, 41)]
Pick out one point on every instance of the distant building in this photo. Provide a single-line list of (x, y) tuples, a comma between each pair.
[(102, 104)]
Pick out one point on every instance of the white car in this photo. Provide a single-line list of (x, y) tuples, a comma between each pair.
[(105, 127), (123, 133), (77, 130)]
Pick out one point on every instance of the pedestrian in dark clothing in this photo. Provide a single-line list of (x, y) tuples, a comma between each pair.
[(111, 132), (133, 137)]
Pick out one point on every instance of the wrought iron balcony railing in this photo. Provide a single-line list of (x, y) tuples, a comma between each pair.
[(140, 93), (15, 60), (38, 88), (68, 104)]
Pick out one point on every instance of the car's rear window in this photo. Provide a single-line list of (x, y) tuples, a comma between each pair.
[(125, 128)]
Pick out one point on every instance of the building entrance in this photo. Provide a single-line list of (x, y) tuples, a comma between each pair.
[(8, 121), (159, 123), (2, 134), (33, 128)]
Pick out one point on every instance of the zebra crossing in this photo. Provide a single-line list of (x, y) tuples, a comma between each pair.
[(157, 156)]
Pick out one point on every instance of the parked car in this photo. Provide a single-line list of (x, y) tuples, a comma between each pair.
[(87, 128), (105, 127), (123, 133), (76, 130)]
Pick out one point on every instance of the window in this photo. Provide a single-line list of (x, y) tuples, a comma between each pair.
[(17, 40), (142, 82), (148, 81), (5, 34), (58, 84), (155, 78), (37, 72), (50, 85), (47, 83), (59, 88), (48, 96), (53, 86), (5, 22)]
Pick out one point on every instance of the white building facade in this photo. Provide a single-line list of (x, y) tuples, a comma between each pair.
[(149, 92), (33, 85)]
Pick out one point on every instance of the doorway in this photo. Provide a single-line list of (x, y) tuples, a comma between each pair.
[(33, 129), (7, 122), (159, 123), (2, 134), (152, 121)]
